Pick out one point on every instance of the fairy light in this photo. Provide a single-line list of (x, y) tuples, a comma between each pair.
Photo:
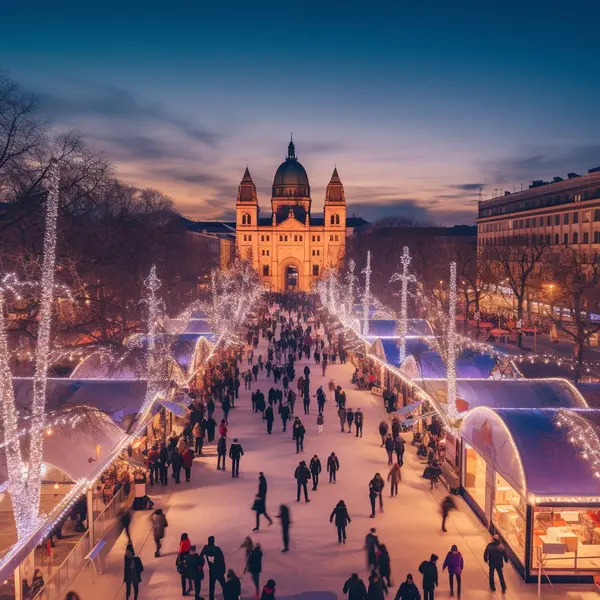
[(367, 294), (405, 278), (350, 279), (583, 435), (451, 345)]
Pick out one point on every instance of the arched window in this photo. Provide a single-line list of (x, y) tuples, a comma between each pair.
[(337, 219), (333, 219), (246, 219)]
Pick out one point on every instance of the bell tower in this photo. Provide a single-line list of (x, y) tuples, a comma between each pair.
[(335, 221), (247, 217)]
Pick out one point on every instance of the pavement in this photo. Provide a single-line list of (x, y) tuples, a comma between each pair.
[(316, 566)]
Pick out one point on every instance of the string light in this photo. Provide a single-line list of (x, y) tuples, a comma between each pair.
[(583, 435), (367, 295), (451, 350), (405, 278), (350, 278)]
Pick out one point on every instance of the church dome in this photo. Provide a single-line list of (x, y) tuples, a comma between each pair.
[(291, 178)]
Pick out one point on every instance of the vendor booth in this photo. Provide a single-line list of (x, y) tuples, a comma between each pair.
[(528, 482)]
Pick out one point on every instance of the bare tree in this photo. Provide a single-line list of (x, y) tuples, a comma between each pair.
[(519, 262), (576, 275)]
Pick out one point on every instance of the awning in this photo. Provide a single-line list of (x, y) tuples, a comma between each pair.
[(179, 410), (411, 422), (409, 408)]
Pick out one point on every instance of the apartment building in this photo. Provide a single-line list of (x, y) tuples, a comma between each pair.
[(560, 212)]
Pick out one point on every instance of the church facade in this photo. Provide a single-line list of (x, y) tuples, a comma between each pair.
[(291, 249)]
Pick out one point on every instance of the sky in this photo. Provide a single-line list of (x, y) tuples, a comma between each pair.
[(420, 105)]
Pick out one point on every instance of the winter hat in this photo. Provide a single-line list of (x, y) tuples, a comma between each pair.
[(454, 548), (235, 439), (433, 558)]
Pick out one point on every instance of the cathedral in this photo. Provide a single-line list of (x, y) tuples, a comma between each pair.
[(291, 249)]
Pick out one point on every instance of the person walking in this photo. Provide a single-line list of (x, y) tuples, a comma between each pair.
[(428, 569), (163, 465), (180, 562), (383, 430), (187, 460), (216, 566), (455, 564), (495, 556), (342, 415), (342, 518), (284, 411), (408, 590), (198, 434), (233, 586), (371, 547), (315, 470), (320, 422), (260, 508), (447, 506), (302, 475), (269, 418), (384, 566), (211, 425), (355, 588), (132, 572), (333, 466), (399, 449), (377, 588), (159, 524), (223, 428), (389, 448), (349, 419), (176, 464), (235, 453), (299, 434), (248, 546), (194, 570), (221, 453), (284, 517), (358, 422), (268, 592), (377, 484), (394, 476), (255, 567)]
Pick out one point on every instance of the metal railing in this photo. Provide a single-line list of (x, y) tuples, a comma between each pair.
[(66, 572)]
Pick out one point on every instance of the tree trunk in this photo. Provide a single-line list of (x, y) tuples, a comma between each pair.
[(579, 357), (520, 322)]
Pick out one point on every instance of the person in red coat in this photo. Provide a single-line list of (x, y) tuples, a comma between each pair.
[(187, 459)]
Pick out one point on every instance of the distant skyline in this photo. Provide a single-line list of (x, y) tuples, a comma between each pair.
[(419, 105)]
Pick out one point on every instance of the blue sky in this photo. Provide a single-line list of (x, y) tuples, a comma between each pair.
[(419, 105)]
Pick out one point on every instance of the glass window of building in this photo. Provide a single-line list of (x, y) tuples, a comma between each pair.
[(315, 270), (266, 270), (508, 515), (566, 219), (557, 219), (475, 474), (565, 238), (556, 239), (575, 217), (597, 214), (548, 221), (596, 237), (577, 529), (586, 216), (575, 238), (586, 237)]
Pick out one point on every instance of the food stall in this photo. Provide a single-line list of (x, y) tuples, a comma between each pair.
[(528, 482)]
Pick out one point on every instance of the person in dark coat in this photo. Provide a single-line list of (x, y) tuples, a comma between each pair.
[(284, 517), (269, 418), (383, 430), (377, 588), (315, 470), (163, 465), (384, 566), (255, 566), (355, 588), (187, 460), (358, 422), (349, 419), (447, 506), (159, 524), (408, 590), (216, 566), (395, 428), (211, 425), (268, 592), (233, 586), (399, 449), (495, 556), (428, 569), (221, 453), (284, 411), (132, 572), (342, 518), (333, 466), (342, 415), (176, 464), (194, 570), (299, 433), (260, 508), (389, 448), (371, 546), (302, 475), (455, 564), (235, 453), (377, 484)]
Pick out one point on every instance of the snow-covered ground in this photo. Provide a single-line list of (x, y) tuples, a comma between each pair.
[(215, 504)]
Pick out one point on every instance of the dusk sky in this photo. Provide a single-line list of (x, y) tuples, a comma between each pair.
[(418, 104)]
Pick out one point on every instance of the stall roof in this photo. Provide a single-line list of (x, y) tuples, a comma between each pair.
[(420, 327), (199, 326), (553, 465), (591, 393), (388, 328), (508, 393), (468, 364), (198, 314)]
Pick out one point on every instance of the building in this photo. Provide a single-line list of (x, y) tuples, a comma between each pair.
[(290, 248), (559, 213), (217, 238)]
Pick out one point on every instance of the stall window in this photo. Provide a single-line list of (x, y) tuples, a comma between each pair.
[(475, 473), (508, 515), (578, 529)]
